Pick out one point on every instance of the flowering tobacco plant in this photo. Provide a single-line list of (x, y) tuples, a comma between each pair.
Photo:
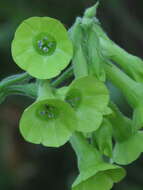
[(82, 112)]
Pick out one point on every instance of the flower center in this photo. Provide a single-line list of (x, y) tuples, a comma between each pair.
[(47, 112), (44, 44)]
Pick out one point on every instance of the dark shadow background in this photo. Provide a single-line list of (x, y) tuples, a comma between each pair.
[(25, 166)]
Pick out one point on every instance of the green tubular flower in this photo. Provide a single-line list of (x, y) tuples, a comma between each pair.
[(41, 46), (132, 90), (94, 174), (131, 64), (128, 146), (89, 98), (48, 121), (102, 137)]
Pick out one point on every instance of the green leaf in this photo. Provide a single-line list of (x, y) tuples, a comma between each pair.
[(49, 122), (94, 174), (41, 46), (103, 138), (89, 98)]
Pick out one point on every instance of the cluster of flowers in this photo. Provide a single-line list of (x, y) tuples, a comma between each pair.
[(82, 112)]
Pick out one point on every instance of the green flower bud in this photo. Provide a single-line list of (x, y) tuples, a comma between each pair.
[(91, 11), (41, 46), (89, 16)]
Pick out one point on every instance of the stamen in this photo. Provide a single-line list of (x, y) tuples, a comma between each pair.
[(40, 44), (51, 115), (45, 49), (44, 44)]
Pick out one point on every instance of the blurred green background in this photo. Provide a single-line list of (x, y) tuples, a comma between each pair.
[(25, 166)]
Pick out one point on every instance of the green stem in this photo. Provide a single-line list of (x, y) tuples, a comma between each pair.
[(68, 73), (45, 90), (28, 90), (14, 79), (8, 86)]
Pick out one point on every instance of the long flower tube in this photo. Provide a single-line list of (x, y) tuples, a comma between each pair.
[(95, 173), (131, 64), (132, 90)]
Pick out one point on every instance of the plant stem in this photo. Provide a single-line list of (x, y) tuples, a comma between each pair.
[(14, 79), (29, 90), (65, 75)]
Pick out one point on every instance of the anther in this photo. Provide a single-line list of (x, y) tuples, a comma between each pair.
[(40, 44), (45, 49), (42, 112), (51, 115)]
